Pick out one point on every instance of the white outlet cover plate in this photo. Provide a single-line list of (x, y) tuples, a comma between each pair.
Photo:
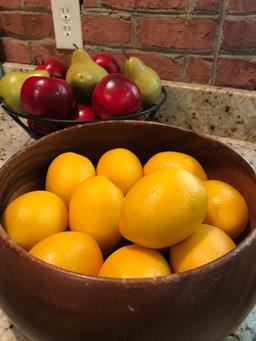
[(67, 23)]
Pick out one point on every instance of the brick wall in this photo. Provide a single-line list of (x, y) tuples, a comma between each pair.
[(204, 41)]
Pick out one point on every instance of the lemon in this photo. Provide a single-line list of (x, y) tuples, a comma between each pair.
[(95, 209), (66, 172), (74, 251), (227, 209), (135, 261), (163, 208), (120, 166), (174, 159), (34, 216), (206, 244)]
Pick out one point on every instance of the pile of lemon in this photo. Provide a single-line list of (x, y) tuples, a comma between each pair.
[(120, 219)]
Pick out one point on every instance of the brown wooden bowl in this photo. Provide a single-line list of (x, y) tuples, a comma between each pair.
[(48, 303)]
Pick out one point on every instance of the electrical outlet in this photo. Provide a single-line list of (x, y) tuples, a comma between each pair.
[(67, 31), (65, 13), (67, 23)]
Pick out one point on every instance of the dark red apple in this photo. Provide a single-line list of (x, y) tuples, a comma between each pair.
[(84, 113), (107, 62), (116, 95), (47, 97), (54, 67)]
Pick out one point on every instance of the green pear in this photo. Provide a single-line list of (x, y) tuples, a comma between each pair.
[(146, 78), (83, 75), (79, 55), (11, 84)]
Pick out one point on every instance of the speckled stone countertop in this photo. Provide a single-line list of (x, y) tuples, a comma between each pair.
[(228, 114)]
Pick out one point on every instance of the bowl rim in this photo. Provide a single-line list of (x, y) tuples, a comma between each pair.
[(173, 277)]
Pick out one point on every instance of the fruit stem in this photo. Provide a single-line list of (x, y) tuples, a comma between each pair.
[(125, 54), (76, 46)]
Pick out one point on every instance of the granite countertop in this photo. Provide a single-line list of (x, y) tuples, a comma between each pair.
[(228, 114)]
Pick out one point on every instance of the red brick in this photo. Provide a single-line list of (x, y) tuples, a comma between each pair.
[(176, 33), (207, 5), (91, 49), (106, 29), (242, 6), (161, 4), (37, 3), (16, 51), (236, 73), (198, 70), (90, 3), (42, 52), (239, 34), (118, 3), (152, 4), (27, 24), (9, 3)]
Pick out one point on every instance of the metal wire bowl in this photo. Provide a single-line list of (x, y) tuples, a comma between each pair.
[(53, 124)]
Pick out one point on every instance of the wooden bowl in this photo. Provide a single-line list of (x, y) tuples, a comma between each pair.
[(48, 303)]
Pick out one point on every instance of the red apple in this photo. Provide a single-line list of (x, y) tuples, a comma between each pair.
[(116, 95), (107, 62), (84, 113), (47, 97), (54, 67)]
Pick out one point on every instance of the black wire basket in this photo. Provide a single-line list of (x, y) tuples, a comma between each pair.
[(40, 126)]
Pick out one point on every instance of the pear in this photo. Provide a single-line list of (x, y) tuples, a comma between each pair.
[(11, 84), (83, 75), (146, 79), (79, 55)]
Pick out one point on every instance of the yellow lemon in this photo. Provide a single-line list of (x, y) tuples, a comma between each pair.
[(95, 209), (163, 208), (74, 251), (206, 244), (227, 209), (66, 172), (120, 166), (34, 216), (174, 159), (135, 261)]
